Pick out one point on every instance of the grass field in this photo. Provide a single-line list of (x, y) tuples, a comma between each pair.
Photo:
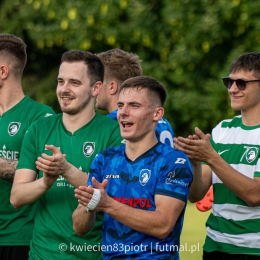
[(193, 233)]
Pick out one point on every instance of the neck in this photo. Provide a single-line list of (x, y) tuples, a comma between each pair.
[(250, 119), (113, 104), (9, 96), (135, 149), (75, 122)]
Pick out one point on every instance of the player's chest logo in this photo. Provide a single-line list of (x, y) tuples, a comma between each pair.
[(144, 176), (13, 128), (250, 154), (88, 148)]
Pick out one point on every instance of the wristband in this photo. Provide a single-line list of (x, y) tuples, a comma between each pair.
[(94, 200)]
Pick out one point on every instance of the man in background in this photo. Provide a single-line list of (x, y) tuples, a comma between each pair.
[(120, 66), (17, 113)]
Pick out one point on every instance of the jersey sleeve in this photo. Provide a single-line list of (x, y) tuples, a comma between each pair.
[(175, 176), (28, 155), (42, 112), (115, 137), (95, 169)]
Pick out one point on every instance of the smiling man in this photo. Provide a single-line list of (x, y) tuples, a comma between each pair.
[(80, 133), (231, 155), (147, 182)]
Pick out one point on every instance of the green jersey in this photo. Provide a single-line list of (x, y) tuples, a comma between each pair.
[(16, 225), (53, 236), (234, 227)]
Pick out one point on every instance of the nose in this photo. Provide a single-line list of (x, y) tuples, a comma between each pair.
[(64, 87), (123, 110), (233, 87)]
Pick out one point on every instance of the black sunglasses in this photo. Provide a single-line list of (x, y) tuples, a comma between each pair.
[(241, 84)]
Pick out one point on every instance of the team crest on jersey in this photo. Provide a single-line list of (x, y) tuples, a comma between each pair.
[(144, 176), (251, 154), (13, 128), (88, 148)]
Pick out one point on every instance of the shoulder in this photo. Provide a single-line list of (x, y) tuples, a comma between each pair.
[(37, 106), (171, 155), (47, 121), (106, 121), (110, 153)]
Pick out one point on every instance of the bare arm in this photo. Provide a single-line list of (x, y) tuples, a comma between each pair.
[(26, 189), (83, 221), (158, 223), (7, 169), (201, 150), (202, 180)]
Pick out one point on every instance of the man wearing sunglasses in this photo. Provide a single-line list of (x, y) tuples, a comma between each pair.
[(231, 163)]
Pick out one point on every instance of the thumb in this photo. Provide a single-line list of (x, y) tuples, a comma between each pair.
[(104, 183), (97, 184)]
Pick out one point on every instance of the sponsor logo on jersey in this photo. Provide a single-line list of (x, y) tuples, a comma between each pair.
[(47, 114), (223, 151), (172, 179), (9, 155), (180, 161), (135, 202), (47, 149), (88, 148), (13, 128), (144, 176), (112, 176)]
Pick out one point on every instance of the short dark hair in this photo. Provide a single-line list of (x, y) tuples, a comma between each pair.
[(121, 65), (93, 62), (247, 62), (158, 91), (13, 49)]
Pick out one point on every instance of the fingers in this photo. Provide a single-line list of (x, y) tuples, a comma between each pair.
[(84, 194), (47, 166), (53, 148)]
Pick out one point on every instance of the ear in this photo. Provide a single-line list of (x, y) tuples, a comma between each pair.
[(113, 88), (158, 113), (96, 88), (4, 71)]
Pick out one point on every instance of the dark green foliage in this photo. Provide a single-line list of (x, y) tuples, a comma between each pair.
[(187, 45)]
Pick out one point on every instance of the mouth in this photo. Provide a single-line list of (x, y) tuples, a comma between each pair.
[(126, 124), (66, 99)]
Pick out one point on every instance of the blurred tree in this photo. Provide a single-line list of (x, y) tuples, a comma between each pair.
[(187, 45)]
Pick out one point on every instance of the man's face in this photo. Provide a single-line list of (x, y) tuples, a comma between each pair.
[(247, 99), (135, 114), (73, 90)]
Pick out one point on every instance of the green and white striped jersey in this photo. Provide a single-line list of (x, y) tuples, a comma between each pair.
[(233, 226)]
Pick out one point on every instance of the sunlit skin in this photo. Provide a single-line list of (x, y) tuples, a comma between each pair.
[(135, 114), (245, 100), (102, 98), (73, 89)]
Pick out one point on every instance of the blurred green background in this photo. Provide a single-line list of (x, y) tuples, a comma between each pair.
[(187, 45)]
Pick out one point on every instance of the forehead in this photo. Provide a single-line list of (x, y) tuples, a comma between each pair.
[(75, 70), (242, 74), (134, 94)]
